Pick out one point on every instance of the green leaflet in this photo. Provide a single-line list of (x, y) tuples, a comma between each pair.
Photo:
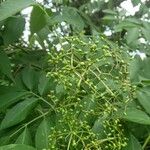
[(19, 82), (43, 131), (71, 16), (11, 96), (134, 69), (133, 143), (9, 8), (60, 91), (139, 69), (43, 84), (13, 29), (135, 2), (109, 11), (135, 115), (29, 77), (18, 113), (132, 35), (138, 130), (16, 147), (41, 36), (144, 99), (5, 140), (146, 33), (89, 103), (24, 137), (98, 128), (37, 20), (5, 66), (109, 17), (124, 25), (146, 30)]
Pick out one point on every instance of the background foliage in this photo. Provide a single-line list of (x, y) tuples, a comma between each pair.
[(71, 86)]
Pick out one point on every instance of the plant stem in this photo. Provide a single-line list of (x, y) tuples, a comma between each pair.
[(146, 142), (109, 90), (68, 147), (41, 98), (44, 114)]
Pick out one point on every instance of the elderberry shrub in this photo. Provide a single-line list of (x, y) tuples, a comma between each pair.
[(91, 84)]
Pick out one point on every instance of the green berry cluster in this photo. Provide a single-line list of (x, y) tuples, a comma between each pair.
[(91, 81)]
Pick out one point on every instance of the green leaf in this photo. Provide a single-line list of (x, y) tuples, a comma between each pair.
[(109, 11), (43, 131), (133, 144), (88, 103), (24, 138), (43, 33), (60, 90), (71, 16), (134, 20), (37, 20), (5, 66), (13, 29), (4, 140), (146, 25), (135, 2), (41, 36), (16, 147), (12, 96), (109, 17), (132, 35), (135, 68), (144, 99), (135, 115), (95, 5), (29, 77), (146, 30), (98, 128), (144, 69), (43, 84), (9, 7), (18, 113), (124, 25), (146, 33), (18, 81)]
